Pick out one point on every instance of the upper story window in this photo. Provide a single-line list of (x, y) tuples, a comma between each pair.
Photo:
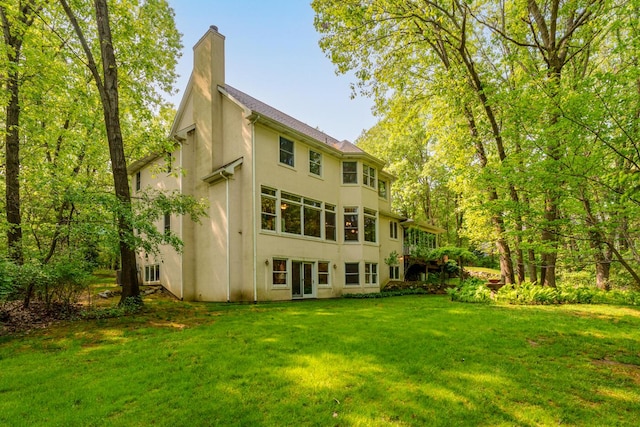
[(315, 163), (382, 189), (393, 230), (329, 222), (369, 225), (349, 172), (167, 223), (268, 209), (169, 161), (312, 211), (350, 224), (138, 181), (286, 152), (369, 176), (290, 213)]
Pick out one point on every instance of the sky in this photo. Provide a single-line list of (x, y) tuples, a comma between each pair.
[(272, 54)]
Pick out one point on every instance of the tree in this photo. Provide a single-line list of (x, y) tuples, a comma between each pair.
[(16, 21)]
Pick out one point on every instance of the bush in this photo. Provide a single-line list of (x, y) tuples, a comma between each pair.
[(61, 282), (471, 290)]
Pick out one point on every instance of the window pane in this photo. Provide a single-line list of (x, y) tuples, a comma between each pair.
[(279, 271), (268, 209), (382, 189), (323, 273), (290, 214), (286, 151), (330, 225), (369, 225), (352, 273), (349, 172), (311, 222), (351, 224), (315, 162)]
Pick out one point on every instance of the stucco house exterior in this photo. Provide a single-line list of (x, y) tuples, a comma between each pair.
[(293, 213)]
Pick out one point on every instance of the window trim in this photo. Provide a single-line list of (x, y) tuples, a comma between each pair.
[(330, 209), (394, 272), (138, 181), (167, 223), (371, 274), (265, 193), (393, 230), (354, 173), (324, 273), (150, 269), (354, 212), (348, 274), (291, 153), (284, 272), (370, 214), (317, 163), (369, 176), (383, 189)]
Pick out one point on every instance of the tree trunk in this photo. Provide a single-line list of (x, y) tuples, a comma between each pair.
[(109, 95)]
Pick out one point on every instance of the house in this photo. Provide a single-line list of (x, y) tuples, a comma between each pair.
[(293, 213)]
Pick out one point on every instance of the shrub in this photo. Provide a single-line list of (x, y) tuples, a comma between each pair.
[(471, 290)]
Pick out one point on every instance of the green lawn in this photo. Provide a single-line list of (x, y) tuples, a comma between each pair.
[(413, 360)]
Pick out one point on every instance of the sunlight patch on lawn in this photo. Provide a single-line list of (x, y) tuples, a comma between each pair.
[(330, 371), (619, 394)]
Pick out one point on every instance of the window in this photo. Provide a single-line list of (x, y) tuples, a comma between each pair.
[(279, 272), (169, 161), (382, 189), (369, 225), (268, 208), (286, 151), (290, 213), (369, 176), (167, 223), (329, 222), (152, 273), (349, 172), (323, 273), (315, 163), (350, 224), (312, 211), (394, 272), (138, 181), (370, 273), (352, 274), (393, 230)]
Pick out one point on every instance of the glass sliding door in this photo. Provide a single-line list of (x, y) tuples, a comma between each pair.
[(302, 285)]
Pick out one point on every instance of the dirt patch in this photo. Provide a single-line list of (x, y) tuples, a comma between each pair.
[(627, 369), (15, 318)]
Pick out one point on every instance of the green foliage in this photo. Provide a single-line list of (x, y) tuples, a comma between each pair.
[(392, 259), (385, 294), (471, 290)]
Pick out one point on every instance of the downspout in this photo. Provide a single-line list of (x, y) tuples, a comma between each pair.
[(253, 209), (226, 178), (180, 178)]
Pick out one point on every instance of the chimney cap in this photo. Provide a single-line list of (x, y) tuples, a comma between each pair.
[(214, 28)]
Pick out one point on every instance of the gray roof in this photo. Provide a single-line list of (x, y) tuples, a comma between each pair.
[(265, 110)]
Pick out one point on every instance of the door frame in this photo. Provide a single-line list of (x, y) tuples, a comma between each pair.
[(300, 275)]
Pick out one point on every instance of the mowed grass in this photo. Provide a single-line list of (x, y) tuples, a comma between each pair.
[(413, 360)]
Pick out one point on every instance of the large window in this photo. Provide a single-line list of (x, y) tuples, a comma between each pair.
[(286, 152), (349, 172), (382, 189), (329, 222), (370, 273), (369, 176), (279, 272), (315, 163), (352, 274), (268, 208), (152, 273), (369, 225), (350, 224), (290, 213), (312, 213), (323, 273)]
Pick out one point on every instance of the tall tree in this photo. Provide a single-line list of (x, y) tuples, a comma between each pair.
[(16, 21)]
